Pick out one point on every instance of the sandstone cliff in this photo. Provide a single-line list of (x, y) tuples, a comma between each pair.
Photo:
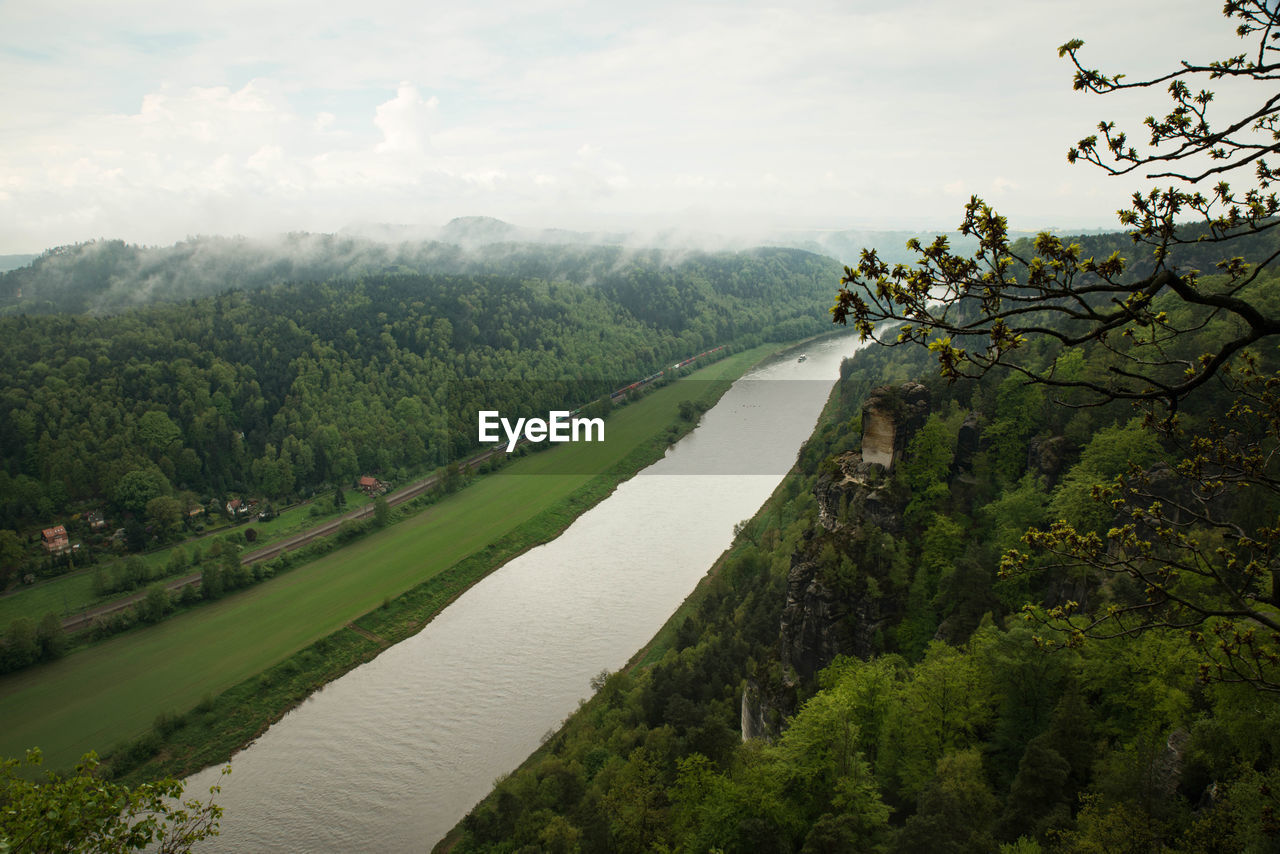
[(821, 618)]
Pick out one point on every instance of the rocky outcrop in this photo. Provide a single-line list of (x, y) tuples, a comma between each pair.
[(753, 715), (818, 624), (890, 415), (855, 491), (1168, 765), (1048, 457), (814, 629), (854, 487), (765, 708), (854, 494)]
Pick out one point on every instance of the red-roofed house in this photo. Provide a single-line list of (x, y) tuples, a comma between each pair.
[(370, 485), (55, 540)]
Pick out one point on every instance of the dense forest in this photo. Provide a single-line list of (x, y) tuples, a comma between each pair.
[(277, 391), (863, 672)]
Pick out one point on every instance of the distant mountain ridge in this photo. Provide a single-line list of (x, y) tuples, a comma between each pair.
[(108, 276)]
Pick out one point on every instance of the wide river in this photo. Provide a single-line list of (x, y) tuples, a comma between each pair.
[(392, 755)]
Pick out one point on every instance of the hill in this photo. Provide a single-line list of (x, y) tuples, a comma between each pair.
[(285, 389)]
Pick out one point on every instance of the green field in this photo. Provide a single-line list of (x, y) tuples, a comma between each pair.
[(99, 696)]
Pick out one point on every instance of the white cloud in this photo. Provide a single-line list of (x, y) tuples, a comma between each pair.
[(405, 121), (153, 120)]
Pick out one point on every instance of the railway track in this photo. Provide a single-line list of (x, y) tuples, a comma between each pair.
[(84, 619)]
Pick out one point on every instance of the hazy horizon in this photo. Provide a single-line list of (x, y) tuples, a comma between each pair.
[(156, 122)]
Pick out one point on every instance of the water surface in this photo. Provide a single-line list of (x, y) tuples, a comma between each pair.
[(393, 754)]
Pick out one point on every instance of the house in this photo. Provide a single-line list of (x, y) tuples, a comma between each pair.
[(96, 520), (370, 486), (55, 540), (237, 509)]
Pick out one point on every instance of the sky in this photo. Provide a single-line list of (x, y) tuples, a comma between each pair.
[(155, 121)]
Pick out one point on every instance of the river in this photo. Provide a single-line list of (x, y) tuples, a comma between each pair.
[(392, 755)]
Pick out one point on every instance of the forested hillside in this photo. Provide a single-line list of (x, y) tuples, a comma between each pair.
[(863, 672), (276, 391), (108, 276)]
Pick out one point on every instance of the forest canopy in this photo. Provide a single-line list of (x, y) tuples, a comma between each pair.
[(277, 391)]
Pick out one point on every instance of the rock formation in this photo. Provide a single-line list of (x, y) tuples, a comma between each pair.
[(818, 624), (890, 415), (1048, 457), (853, 493), (854, 498)]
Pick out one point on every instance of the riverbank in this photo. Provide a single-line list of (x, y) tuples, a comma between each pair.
[(727, 579), (663, 641), (242, 663)]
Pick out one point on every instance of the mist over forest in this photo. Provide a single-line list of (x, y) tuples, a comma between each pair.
[(106, 276)]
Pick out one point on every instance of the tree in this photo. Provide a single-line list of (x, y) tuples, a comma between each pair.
[(135, 535), (157, 431), (155, 605), (20, 644), (381, 512), (1196, 546), (83, 812), (51, 637), (136, 488), (956, 809), (453, 477), (1001, 298), (211, 580), (12, 556), (165, 514)]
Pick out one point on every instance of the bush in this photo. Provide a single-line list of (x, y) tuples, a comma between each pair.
[(51, 637), (189, 595), (166, 723), (153, 608)]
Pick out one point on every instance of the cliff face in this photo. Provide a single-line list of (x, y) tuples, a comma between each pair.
[(857, 494), (890, 416), (1049, 457), (818, 623), (853, 496)]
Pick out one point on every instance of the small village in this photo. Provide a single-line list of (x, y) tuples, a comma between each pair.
[(86, 539)]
